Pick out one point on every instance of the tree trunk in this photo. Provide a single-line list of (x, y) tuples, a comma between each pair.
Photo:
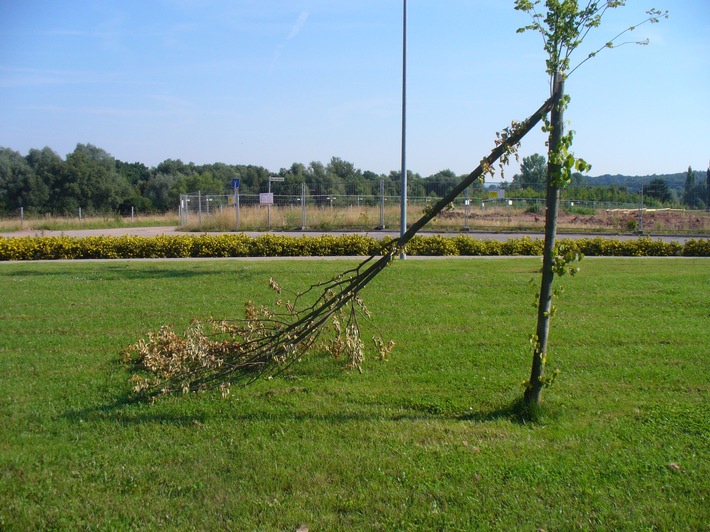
[(533, 393)]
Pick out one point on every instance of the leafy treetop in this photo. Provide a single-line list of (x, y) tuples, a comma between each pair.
[(564, 26)]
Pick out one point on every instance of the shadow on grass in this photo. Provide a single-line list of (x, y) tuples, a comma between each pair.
[(130, 410), (192, 411), (167, 270), (283, 402), (111, 272), (123, 270), (516, 412)]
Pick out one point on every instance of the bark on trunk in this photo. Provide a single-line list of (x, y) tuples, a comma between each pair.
[(533, 393)]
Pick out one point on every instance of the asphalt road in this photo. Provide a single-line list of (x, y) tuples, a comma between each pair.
[(499, 236)]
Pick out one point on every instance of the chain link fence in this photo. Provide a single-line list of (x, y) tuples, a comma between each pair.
[(323, 210)]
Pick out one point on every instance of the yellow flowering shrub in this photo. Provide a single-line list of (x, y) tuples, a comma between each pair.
[(270, 245)]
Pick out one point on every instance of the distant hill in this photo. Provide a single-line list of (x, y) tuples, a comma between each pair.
[(633, 183)]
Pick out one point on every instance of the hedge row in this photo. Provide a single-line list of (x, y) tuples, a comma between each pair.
[(240, 245), (183, 246)]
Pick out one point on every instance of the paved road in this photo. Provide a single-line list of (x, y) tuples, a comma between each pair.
[(156, 231)]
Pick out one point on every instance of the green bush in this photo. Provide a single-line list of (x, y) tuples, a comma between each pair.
[(432, 246), (641, 247), (697, 248), (522, 246), (269, 245)]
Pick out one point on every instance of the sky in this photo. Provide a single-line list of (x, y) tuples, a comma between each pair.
[(273, 82)]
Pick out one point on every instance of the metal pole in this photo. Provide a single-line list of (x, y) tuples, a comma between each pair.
[(640, 228), (199, 206), (268, 206), (382, 203), (238, 213), (467, 207), (22, 216), (303, 206), (403, 215), (235, 199)]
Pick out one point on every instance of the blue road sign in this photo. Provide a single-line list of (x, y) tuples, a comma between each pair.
[(235, 182)]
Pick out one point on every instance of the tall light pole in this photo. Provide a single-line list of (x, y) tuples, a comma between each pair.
[(403, 214)]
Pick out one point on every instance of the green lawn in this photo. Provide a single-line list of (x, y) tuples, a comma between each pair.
[(428, 439)]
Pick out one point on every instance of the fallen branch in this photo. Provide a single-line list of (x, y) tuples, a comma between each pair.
[(267, 342)]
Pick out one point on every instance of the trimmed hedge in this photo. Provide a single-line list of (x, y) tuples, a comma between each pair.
[(269, 245)]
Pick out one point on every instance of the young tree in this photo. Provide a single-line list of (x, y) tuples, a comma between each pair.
[(563, 26), (267, 341)]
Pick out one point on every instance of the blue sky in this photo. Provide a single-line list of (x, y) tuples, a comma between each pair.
[(272, 82)]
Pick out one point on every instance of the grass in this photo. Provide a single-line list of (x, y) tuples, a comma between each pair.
[(429, 439), (368, 217), (363, 217), (50, 223)]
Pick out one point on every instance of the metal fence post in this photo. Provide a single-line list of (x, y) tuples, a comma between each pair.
[(382, 204), (236, 202), (199, 206), (268, 209)]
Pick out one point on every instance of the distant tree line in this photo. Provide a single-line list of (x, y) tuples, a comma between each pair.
[(686, 189), (89, 178)]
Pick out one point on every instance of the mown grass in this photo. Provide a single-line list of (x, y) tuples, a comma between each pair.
[(430, 439)]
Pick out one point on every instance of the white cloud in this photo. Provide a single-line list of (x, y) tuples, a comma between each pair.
[(298, 26)]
